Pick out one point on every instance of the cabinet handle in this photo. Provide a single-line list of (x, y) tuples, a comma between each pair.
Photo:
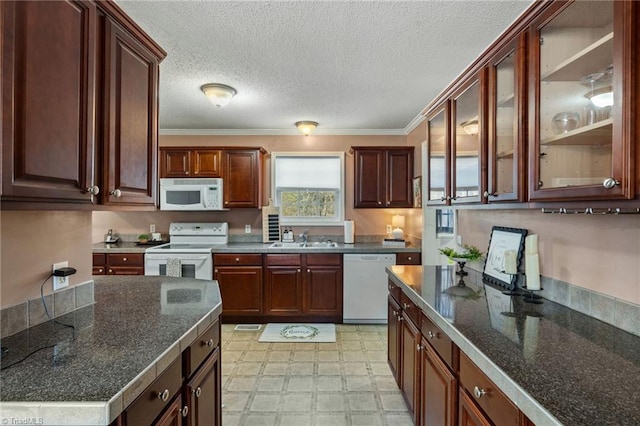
[(453, 198), (395, 313), (116, 193), (443, 198), (487, 194), (164, 395), (400, 318), (419, 348), (184, 411), (93, 190), (479, 392), (610, 183), (198, 392), (209, 343), (433, 335)]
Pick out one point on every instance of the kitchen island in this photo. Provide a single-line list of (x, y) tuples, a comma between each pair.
[(139, 330), (555, 365)]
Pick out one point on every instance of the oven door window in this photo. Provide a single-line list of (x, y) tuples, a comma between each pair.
[(184, 197)]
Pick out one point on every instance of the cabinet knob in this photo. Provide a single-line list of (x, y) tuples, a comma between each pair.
[(395, 313), (443, 198), (298, 269), (110, 271), (184, 411), (124, 259), (308, 271), (216, 271), (610, 183), (116, 193), (198, 392), (406, 305), (93, 190), (388, 202), (419, 348), (409, 258), (226, 202), (400, 318), (164, 395), (432, 335), (479, 392), (237, 259), (487, 194), (209, 343)]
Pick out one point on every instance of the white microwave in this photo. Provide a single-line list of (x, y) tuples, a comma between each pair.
[(191, 194)]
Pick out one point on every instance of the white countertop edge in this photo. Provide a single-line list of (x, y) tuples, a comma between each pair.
[(520, 397), (55, 413)]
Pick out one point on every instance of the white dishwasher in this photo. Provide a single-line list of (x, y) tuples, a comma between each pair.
[(365, 288)]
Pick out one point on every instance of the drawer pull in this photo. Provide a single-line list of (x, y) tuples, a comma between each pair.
[(110, 271), (478, 392), (164, 395), (198, 392), (124, 259), (409, 258), (209, 343), (184, 411), (406, 305), (433, 335), (237, 259)]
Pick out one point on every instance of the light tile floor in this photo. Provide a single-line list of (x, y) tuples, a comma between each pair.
[(344, 383)]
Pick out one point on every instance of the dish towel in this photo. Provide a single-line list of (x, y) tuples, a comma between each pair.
[(174, 267)]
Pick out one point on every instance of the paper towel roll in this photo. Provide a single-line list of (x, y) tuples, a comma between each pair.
[(349, 230), (532, 271)]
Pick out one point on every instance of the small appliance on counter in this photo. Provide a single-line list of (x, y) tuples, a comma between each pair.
[(111, 239)]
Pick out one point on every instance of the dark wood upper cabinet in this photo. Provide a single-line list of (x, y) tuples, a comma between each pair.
[(130, 119), (382, 177), (507, 123), (190, 162), (581, 143), (242, 177), (439, 155), (79, 106), (48, 100)]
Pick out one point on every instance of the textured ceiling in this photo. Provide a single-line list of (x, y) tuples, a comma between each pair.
[(353, 66)]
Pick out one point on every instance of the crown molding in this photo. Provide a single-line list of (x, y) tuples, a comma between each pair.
[(414, 123), (281, 132)]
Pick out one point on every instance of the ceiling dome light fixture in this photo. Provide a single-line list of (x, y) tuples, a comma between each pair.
[(471, 127), (218, 94), (306, 127)]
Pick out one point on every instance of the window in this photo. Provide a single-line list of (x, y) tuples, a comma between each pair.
[(309, 187)]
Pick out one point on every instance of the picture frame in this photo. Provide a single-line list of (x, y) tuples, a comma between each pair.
[(417, 192), (501, 240)]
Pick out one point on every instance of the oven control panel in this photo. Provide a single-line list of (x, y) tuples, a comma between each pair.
[(199, 229)]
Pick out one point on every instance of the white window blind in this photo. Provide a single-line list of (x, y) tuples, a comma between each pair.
[(308, 172)]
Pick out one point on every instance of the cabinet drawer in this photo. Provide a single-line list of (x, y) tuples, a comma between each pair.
[(410, 308), (237, 259), (394, 291), (204, 345), (438, 340), (155, 398), (408, 259), (324, 259), (485, 394), (284, 259), (99, 259), (126, 259)]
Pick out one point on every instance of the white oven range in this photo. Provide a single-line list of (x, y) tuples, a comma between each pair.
[(190, 248)]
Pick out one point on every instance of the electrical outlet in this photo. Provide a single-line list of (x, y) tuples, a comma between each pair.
[(60, 282), (247, 229), (152, 228)]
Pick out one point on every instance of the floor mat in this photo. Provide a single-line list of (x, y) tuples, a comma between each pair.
[(276, 332)]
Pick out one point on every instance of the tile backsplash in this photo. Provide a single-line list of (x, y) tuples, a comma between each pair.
[(14, 319)]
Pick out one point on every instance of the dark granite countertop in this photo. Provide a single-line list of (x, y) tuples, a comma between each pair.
[(557, 365), (119, 345), (253, 247)]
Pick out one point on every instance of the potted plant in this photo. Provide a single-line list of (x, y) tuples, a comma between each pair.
[(143, 238), (469, 254)]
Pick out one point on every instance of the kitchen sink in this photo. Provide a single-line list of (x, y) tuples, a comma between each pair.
[(299, 245)]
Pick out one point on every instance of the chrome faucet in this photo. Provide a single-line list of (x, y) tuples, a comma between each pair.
[(304, 236)]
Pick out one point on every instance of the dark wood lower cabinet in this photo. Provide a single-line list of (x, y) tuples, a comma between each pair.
[(202, 393), (393, 338), (410, 369), (241, 289), (173, 414), (469, 413), (438, 389)]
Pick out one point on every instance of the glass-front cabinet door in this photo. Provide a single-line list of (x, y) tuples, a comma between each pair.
[(466, 143), (580, 79), (506, 125), (438, 156)]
